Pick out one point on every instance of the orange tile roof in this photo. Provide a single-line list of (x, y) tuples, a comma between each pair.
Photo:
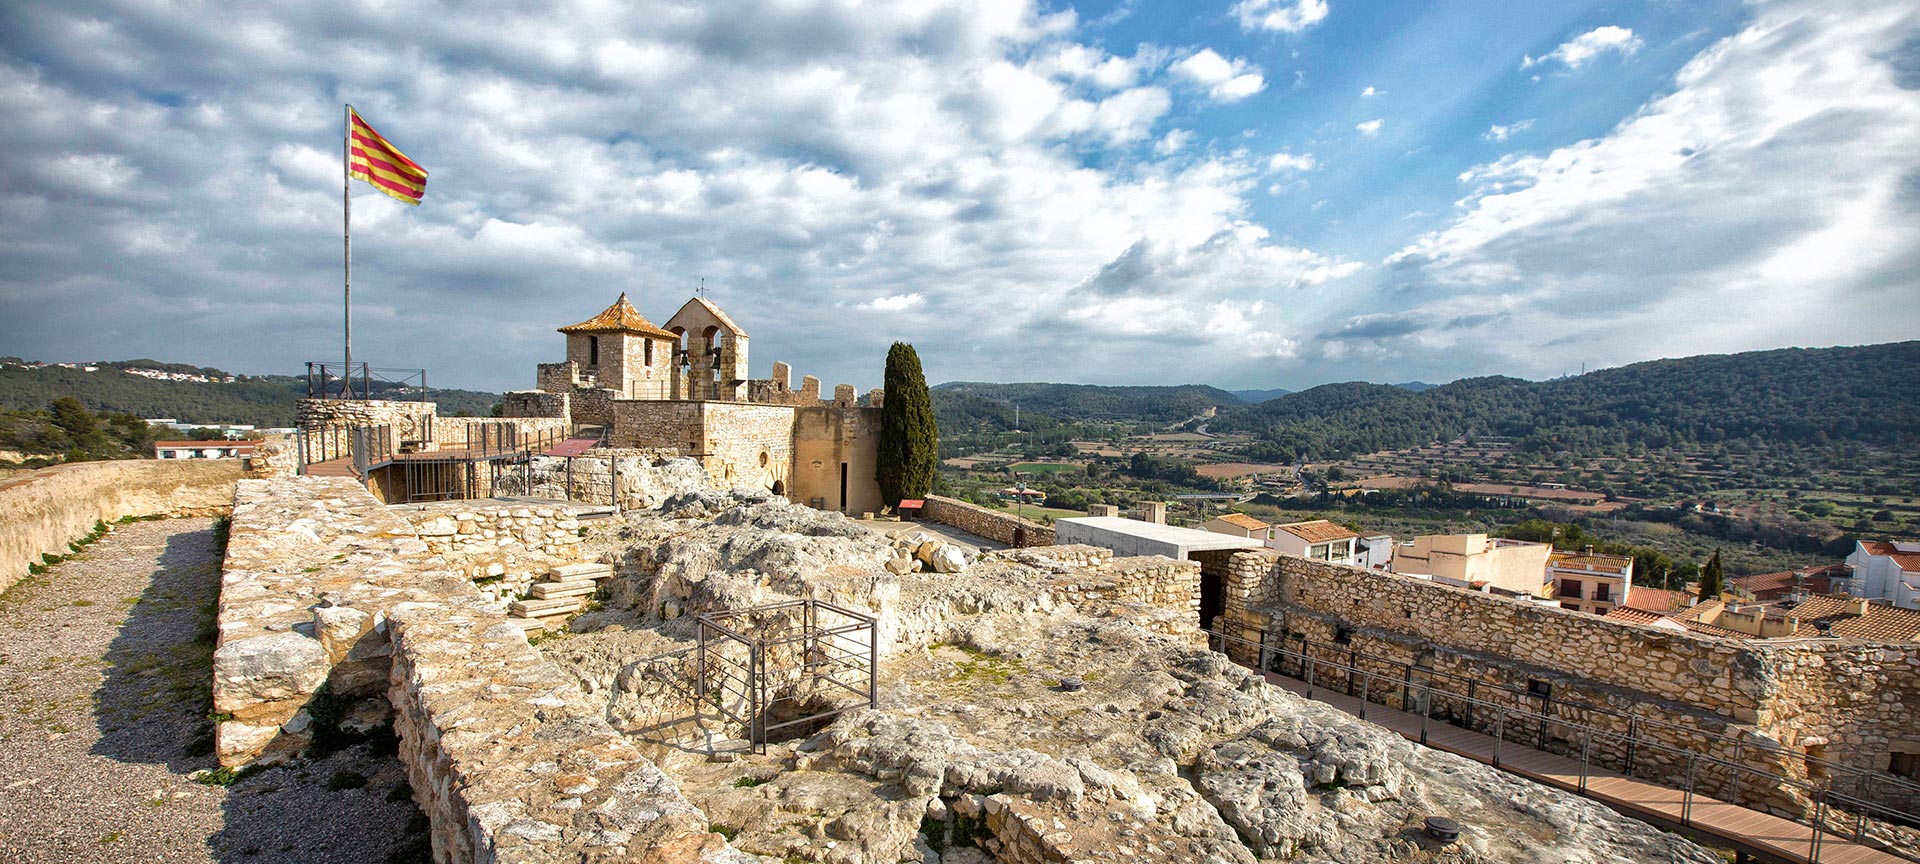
[(1880, 624), (1242, 520), (1773, 586), (1596, 561), (621, 317), (1632, 615), (1656, 599), (1317, 531)]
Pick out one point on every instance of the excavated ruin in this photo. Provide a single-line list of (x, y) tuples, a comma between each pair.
[(1039, 705)]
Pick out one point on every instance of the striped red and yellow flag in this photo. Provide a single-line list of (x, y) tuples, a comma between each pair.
[(371, 158)]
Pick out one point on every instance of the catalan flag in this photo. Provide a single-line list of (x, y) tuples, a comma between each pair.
[(371, 158)]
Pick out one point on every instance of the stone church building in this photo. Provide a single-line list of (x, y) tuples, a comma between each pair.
[(683, 386)]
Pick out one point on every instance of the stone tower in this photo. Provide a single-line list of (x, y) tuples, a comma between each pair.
[(714, 367), (620, 350)]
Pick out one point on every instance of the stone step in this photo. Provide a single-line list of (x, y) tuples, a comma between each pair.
[(551, 590), (583, 570), (527, 624), (545, 608)]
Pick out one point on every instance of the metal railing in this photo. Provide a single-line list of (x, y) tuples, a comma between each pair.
[(327, 379), (742, 689), (1834, 812)]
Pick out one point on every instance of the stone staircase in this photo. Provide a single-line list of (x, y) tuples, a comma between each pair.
[(565, 591)]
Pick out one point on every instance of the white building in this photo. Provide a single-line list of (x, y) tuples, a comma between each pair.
[(1319, 540), (1477, 561), (1884, 571), (203, 449), (1374, 552)]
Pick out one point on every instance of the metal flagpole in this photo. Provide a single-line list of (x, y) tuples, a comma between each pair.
[(346, 245)]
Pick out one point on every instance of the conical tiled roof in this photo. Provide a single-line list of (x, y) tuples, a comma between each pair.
[(621, 317)]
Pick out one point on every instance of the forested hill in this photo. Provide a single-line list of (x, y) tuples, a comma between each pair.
[(1801, 396), (257, 400), (1093, 402)]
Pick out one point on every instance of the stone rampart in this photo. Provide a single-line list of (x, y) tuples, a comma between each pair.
[(455, 433), (536, 403), (324, 586), (42, 511), (980, 521), (1765, 704), (504, 549)]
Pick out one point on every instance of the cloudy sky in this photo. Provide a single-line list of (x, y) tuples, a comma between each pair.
[(1248, 193)]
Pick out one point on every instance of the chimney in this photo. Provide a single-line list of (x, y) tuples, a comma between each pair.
[(1858, 606), (1153, 511), (1589, 549), (1102, 510)]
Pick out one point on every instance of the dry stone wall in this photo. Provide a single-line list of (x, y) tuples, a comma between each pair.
[(993, 525), (1768, 705), (42, 511), (324, 586), (503, 549)]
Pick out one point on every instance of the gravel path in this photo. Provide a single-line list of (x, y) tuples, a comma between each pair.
[(104, 695)]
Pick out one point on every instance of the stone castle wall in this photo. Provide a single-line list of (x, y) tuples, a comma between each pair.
[(455, 433), (536, 403), (991, 524), (327, 422), (504, 549), (44, 510), (324, 586), (1768, 705)]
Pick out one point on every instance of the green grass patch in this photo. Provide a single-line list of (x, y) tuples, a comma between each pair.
[(1046, 467)]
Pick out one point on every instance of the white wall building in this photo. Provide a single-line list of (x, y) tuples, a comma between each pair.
[(1884, 571), (1319, 540)]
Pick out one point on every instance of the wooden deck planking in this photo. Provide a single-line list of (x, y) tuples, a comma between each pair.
[(1759, 832)]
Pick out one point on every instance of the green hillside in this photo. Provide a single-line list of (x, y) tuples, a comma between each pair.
[(1812, 397), (257, 400), (1092, 402)]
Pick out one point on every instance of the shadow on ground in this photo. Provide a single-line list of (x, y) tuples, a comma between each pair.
[(155, 707)]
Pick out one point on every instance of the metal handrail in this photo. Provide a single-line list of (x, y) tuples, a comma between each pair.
[(1823, 793)]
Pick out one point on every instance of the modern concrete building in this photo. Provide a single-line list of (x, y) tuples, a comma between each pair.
[(203, 449), (1477, 561), (1134, 537)]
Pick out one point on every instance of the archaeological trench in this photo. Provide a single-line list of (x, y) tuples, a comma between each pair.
[(1047, 704)]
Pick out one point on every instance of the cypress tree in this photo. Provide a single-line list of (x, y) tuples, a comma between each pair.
[(1711, 580), (909, 440)]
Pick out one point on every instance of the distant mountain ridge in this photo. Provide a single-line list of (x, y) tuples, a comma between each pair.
[(1255, 397), (1095, 402), (259, 400), (1815, 396)]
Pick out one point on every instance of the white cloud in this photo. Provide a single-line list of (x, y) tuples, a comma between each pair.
[(818, 164), (1225, 80), (1284, 16), (1370, 91), (1768, 199), (1173, 142), (1370, 128), (1285, 161), (1498, 132), (1578, 51), (893, 303)]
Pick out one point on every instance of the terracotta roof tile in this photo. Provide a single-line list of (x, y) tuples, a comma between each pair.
[(1317, 531), (1632, 615), (621, 317), (1879, 624), (1242, 520), (1656, 599)]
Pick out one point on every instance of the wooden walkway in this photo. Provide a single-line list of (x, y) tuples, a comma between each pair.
[(1751, 831), (332, 468)]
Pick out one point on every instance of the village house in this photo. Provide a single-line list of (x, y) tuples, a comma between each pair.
[(203, 449), (1477, 561), (1884, 571), (1239, 525), (1587, 581), (1317, 539)]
